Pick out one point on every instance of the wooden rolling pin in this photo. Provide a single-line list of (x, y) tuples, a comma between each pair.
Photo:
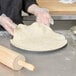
[(13, 59)]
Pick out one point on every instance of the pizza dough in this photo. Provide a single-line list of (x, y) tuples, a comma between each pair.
[(37, 37)]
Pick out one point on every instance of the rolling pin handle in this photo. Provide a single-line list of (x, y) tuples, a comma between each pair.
[(26, 65)]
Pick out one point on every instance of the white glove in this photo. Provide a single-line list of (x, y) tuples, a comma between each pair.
[(43, 16), (7, 23)]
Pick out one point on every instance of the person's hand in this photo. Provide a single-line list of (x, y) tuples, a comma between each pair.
[(7, 23), (43, 16)]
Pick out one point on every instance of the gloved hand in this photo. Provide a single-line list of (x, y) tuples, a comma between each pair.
[(43, 16), (7, 23)]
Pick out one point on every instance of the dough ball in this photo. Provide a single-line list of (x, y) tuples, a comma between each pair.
[(37, 37)]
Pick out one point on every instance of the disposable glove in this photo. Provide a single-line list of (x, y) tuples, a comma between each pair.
[(43, 16), (7, 23)]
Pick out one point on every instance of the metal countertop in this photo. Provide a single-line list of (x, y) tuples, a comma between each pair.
[(58, 63)]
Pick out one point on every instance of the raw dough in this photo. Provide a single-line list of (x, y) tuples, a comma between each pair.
[(37, 37)]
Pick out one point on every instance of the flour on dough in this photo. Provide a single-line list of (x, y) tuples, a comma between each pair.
[(37, 37)]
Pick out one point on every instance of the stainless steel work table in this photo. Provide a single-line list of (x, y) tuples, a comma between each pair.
[(57, 63)]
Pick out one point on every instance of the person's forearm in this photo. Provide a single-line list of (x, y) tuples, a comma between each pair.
[(33, 8), (42, 14)]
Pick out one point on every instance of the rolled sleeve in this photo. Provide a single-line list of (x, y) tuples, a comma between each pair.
[(27, 3)]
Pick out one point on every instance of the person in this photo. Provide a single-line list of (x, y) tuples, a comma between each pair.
[(10, 13)]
